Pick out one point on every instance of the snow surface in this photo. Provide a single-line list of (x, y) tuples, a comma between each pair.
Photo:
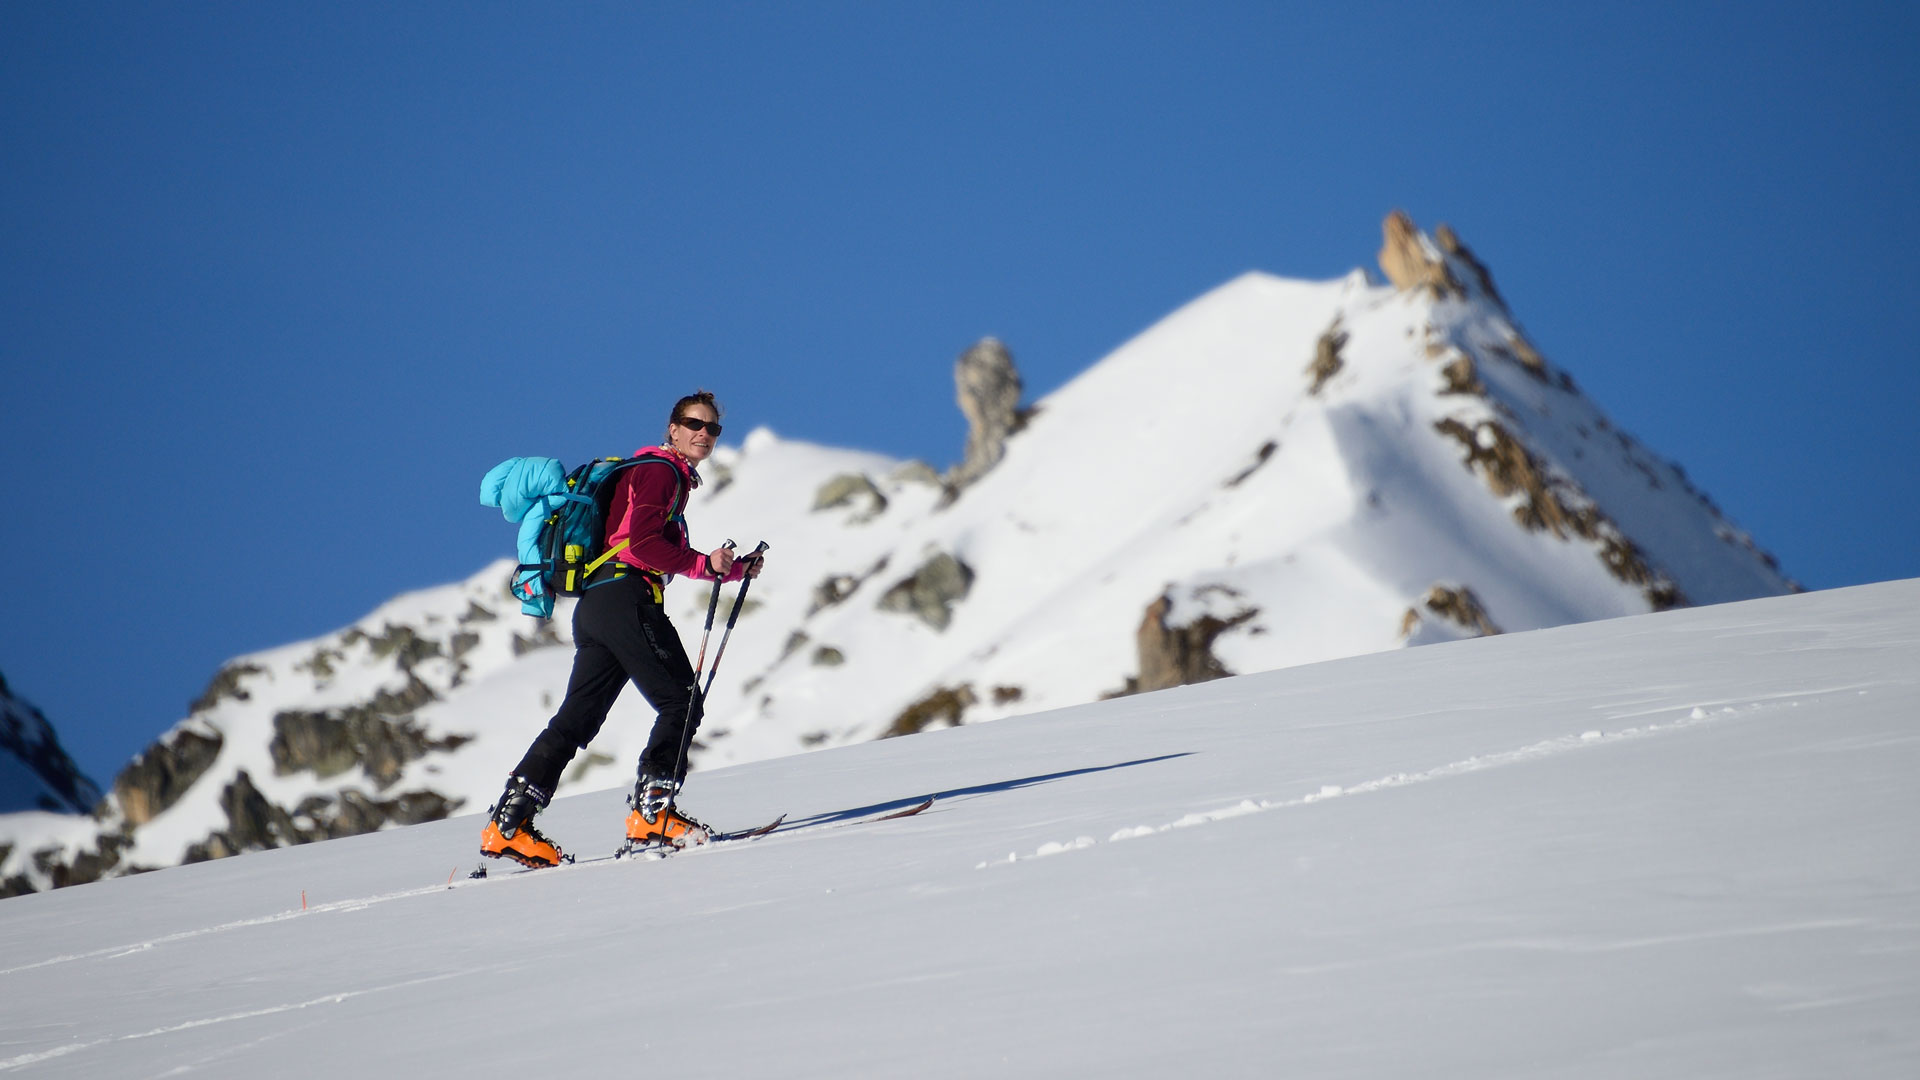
[(1674, 845)]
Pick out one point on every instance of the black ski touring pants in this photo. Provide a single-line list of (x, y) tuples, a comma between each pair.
[(619, 635)]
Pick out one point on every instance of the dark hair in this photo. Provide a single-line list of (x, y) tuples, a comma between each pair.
[(698, 397)]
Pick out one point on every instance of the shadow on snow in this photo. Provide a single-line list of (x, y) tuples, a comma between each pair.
[(891, 805)]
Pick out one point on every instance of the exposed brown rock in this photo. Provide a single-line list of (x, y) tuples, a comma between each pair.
[(1518, 350), (1408, 261), (1326, 356), (1178, 655), (226, 684), (944, 705), (1458, 606), (1552, 502), (1260, 457), (1462, 376), (1451, 244), (163, 772)]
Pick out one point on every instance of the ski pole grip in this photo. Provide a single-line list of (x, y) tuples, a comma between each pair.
[(712, 573)]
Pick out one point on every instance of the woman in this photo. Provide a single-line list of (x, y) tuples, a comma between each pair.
[(621, 633)]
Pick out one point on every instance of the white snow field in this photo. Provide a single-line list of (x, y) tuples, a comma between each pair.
[(1673, 845)]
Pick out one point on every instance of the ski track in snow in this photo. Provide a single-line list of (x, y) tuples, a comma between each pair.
[(1704, 713), (503, 874), (24, 1060)]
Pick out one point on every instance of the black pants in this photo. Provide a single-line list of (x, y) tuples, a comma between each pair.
[(619, 634)]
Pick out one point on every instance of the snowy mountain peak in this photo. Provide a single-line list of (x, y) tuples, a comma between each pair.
[(1277, 473)]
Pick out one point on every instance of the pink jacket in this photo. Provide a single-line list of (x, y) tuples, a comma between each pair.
[(648, 511)]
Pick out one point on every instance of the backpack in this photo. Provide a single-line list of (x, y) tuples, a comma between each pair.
[(563, 523)]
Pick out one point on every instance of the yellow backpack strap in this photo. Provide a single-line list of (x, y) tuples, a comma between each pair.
[(605, 555)]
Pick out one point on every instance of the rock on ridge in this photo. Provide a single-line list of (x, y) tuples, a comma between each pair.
[(988, 388)]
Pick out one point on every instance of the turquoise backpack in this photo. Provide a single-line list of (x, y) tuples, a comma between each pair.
[(563, 523)]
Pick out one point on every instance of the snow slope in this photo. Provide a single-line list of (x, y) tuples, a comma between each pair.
[(1672, 845), (1287, 471)]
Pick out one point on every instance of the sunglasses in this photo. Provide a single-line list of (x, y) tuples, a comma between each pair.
[(695, 424)]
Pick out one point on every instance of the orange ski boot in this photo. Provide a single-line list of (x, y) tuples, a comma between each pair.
[(510, 833), (655, 821)]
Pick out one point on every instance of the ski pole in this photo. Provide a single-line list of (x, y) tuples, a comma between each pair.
[(713, 605), (693, 691), (696, 693), (739, 601)]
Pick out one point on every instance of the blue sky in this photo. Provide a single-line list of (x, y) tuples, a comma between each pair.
[(278, 282)]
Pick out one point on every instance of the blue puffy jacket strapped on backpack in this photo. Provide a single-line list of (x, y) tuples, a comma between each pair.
[(528, 490)]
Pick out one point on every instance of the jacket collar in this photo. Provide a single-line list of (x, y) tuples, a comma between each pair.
[(668, 453)]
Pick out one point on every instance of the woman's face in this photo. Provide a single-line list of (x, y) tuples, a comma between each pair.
[(694, 445)]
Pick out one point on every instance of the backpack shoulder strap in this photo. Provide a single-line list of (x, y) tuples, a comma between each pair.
[(620, 466)]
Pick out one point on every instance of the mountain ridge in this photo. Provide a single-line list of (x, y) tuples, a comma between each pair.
[(1277, 472)]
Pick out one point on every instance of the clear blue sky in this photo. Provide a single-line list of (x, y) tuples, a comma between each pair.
[(279, 281)]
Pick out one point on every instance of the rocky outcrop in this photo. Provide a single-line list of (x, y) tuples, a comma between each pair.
[(945, 705), (835, 588), (1441, 265), (932, 590), (1457, 606), (1326, 356), (1549, 501), (988, 388), (227, 684), (1260, 457), (256, 823), (378, 736), (1461, 256), (87, 866), (1413, 262), (403, 643), (1179, 654), (164, 771), (855, 490), (1461, 375)]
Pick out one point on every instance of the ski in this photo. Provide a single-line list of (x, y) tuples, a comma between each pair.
[(747, 834), (663, 850), (519, 867), (908, 812)]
